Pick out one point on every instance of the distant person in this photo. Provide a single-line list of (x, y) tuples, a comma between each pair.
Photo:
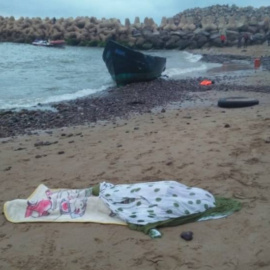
[(223, 39), (246, 39), (251, 38), (239, 44), (53, 20)]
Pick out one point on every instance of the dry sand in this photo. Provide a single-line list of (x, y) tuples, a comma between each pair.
[(225, 151), (254, 51)]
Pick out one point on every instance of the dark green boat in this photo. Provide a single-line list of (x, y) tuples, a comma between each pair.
[(127, 66)]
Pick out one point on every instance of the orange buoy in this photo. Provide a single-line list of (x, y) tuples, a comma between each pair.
[(206, 82)]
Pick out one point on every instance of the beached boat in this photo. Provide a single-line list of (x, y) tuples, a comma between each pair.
[(49, 43), (126, 65)]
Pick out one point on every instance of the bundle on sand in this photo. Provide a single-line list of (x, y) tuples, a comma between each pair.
[(141, 206)]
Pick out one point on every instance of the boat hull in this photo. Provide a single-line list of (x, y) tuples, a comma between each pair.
[(128, 66)]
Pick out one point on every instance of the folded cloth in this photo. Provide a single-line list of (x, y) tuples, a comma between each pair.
[(60, 205)]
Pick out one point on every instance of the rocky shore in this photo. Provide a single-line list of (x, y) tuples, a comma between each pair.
[(118, 102), (193, 28)]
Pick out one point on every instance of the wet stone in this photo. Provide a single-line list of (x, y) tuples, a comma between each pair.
[(188, 236)]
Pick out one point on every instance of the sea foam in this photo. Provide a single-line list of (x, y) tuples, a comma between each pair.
[(26, 103), (193, 58), (174, 72)]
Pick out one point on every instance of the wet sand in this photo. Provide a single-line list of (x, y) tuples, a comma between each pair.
[(178, 134)]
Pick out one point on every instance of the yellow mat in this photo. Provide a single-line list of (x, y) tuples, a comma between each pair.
[(60, 205)]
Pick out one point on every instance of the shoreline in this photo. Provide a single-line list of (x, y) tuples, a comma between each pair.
[(135, 98), (121, 102)]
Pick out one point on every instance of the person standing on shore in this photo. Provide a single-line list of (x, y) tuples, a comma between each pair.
[(246, 39), (223, 37), (268, 39), (239, 44)]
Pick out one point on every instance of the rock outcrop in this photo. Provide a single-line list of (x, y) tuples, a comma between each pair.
[(193, 28)]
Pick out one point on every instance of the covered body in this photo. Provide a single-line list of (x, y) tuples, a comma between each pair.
[(144, 203)]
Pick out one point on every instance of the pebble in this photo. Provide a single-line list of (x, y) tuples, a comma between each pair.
[(188, 236)]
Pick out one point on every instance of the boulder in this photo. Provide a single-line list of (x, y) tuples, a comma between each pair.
[(93, 20), (210, 27), (232, 24), (71, 35), (208, 23), (68, 22), (221, 23), (214, 36), (89, 26), (179, 33), (136, 33), (170, 26), (183, 44), (147, 33), (127, 23), (252, 29), (193, 44), (147, 46), (139, 41), (103, 37), (253, 21), (216, 42), (201, 40), (158, 43), (266, 23), (241, 26), (232, 35), (182, 23), (80, 23), (189, 27), (258, 38), (163, 22), (172, 43), (149, 24), (201, 32), (164, 35), (122, 30), (137, 24)]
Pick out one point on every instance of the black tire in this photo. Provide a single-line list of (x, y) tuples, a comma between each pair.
[(237, 102)]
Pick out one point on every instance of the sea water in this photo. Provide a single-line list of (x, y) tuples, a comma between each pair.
[(31, 75)]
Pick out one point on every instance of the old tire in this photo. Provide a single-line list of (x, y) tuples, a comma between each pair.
[(237, 102)]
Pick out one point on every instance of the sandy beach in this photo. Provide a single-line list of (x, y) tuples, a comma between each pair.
[(190, 139)]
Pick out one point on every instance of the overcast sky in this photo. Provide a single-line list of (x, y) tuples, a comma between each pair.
[(119, 9)]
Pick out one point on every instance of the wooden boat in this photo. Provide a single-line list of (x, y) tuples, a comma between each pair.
[(127, 66), (49, 43)]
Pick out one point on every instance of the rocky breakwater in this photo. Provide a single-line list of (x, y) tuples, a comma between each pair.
[(193, 28)]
